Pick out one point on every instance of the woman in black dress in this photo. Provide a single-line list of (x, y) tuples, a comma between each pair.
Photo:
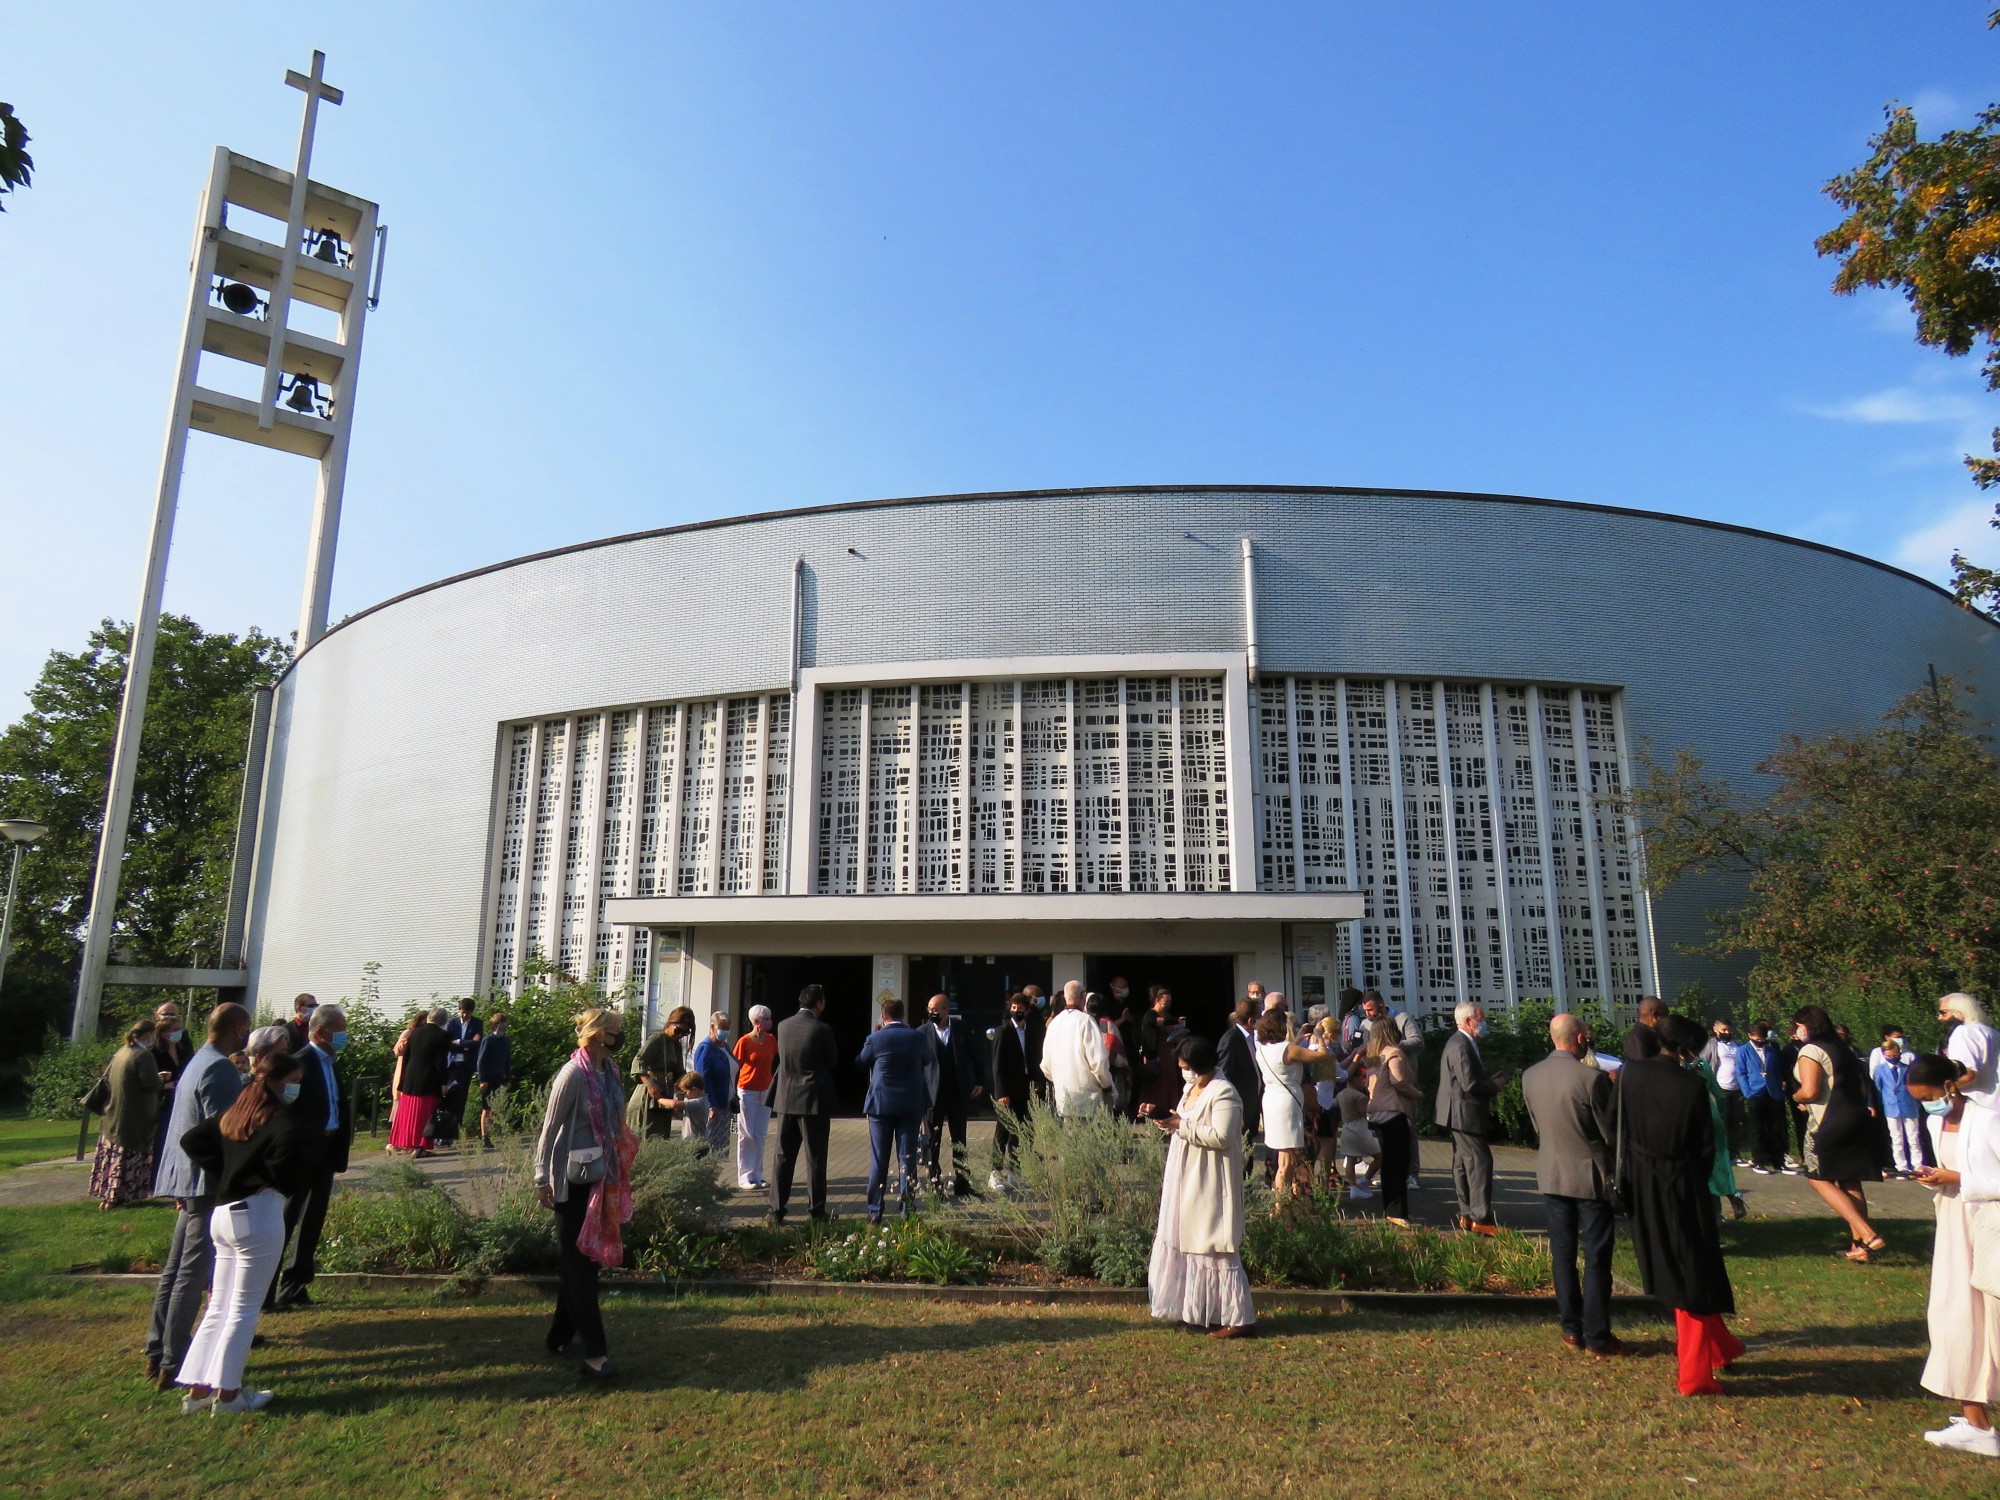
[(1840, 1144), (1666, 1148)]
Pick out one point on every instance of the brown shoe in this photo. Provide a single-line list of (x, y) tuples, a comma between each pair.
[(1233, 1331), (164, 1381), (152, 1371), (1461, 1222), (1611, 1348), (1485, 1229), (1573, 1341)]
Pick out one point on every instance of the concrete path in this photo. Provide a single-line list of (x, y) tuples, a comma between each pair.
[(473, 1176)]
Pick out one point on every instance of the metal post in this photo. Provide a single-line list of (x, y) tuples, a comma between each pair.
[(7, 917)]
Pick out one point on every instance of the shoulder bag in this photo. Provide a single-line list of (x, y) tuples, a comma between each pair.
[(1986, 1248)]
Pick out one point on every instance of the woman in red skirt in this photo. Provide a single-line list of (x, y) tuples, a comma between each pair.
[(420, 1067)]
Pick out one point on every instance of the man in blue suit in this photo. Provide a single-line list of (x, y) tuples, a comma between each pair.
[(901, 1063)]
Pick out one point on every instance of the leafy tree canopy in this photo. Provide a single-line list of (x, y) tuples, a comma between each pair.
[(1874, 867), (54, 765), (17, 168), (1924, 217)]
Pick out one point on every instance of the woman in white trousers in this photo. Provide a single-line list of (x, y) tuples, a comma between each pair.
[(248, 1152)]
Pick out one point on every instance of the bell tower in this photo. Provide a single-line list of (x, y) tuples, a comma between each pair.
[(276, 305)]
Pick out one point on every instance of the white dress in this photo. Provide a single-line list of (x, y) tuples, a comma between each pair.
[(1207, 1290), (1284, 1098), (1964, 1363)]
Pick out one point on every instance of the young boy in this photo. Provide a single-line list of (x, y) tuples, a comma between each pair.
[(495, 1070), (1898, 1108), (692, 1091), (1358, 1148)]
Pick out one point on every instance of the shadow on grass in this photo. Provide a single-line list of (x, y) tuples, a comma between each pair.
[(352, 1365), (1777, 1239)]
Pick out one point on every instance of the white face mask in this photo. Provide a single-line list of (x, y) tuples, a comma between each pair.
[(1187, 1074), (288, 1092), (175, 1036)]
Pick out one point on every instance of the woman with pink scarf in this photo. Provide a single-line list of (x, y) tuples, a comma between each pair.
[(583, 1170)]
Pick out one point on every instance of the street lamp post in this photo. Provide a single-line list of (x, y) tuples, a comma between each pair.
[(20, 832)]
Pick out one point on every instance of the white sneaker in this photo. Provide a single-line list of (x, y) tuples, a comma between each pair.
[(194, 1405), (1359, 1194), (1962, 1437), (1414, 1184), (745, 1185), (995, 1183), (244, 1400)]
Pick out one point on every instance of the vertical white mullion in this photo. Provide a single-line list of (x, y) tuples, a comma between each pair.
[(524, 938), (559, 847), (1586, 804), (1179, 808), (593, 853), (867, 820), (763, 774), (1358, 974), (1642, 901), (1496, 812), (1399, 831), (1298, 811), (1018, 753), (1124, 791), (677, 762), (1441, 710), (913, 830), (962, 846), (712, 873), (635, 812), (1069, 781), (1543, 835)]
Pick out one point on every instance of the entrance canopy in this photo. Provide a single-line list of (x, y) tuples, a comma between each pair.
[(1083, 911)]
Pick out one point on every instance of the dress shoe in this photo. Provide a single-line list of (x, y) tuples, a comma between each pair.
[(153, 1371), (1489, 1230), (165, 1380), (1573, 1341), (258, 1341), (1233, 1331), (605, 1371), (1611, 1348), (570, 1350), (289, 1300)]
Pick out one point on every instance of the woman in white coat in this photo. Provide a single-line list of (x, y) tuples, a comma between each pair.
[(1196, 1276)]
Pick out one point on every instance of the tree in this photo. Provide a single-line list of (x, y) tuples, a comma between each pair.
[(17, 168), (54, 765), (1874, 867), (1924, 217)]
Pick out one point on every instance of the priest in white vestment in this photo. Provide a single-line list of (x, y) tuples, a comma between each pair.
[(1074, 1059)]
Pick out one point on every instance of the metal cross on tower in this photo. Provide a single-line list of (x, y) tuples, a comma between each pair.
[(241, 295)]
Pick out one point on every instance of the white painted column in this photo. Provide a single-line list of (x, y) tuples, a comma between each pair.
[(1399, 822), (1298, 800), (1538, 754), (592, 871), (965, 848), (1350, 849), (1176, 808), (1446, 793), (524, 936), (1069, 781), (1013, 752), (760, 766), (1496, 810), (1124, 790), (1586, 800), (635, 812), (670, 878), (1642, 900), (559, 850), (1239, 746), (865, 829), (1063, 967), (913, 829), (711, 875), (891, 981), (802, 801)]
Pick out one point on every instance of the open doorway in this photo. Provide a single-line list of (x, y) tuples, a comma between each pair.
[(850, 1008), (1203, 984), (978, 985)]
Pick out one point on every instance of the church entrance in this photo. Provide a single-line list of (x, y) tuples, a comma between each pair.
[(1203, 984), (978, 985), (850, 1007)]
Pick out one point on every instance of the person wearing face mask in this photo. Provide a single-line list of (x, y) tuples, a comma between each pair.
[(326, 1133), (1393, 1092), (1465, 1108), (717, 1066), (1196, 1276), (960, 1085), (250, 1155), (1017, 1078), (1964, 1362)]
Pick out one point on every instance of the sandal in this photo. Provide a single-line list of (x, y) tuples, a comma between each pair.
[(1877, 1244), (1858, 1253)]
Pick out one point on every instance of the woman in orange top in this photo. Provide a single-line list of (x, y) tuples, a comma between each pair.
[(756, 1057)]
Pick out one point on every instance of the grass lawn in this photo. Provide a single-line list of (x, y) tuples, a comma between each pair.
[(390, 1394), (24, 1139)]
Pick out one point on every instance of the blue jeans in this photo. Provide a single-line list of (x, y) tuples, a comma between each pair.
[(906, 1131), (1585, 1311)]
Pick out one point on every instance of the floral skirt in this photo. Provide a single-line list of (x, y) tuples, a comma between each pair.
[(407, 1126), (120, 1175)]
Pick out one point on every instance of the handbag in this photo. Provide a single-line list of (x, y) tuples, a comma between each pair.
[(1985, 1225), (586, 1166), (443, 1125), (99, 1098)]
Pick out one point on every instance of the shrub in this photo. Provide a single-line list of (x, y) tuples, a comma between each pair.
[(1087, 1183), (1308, 1243), (675, 1190), (681, 1257), (922, 1246), (400, 1222), (64, 1073)]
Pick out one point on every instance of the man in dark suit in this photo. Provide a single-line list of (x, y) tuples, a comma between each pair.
[(1236, 1060), (1465, 1108), (1643, 1041), (298, 1030), (902, 1077), (960, 1084), (324, 1132), (802, 1097), (1017, 1077), (462, 1035), (1576, 1121)]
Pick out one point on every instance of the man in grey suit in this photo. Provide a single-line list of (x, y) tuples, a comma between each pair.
[(802, 1097), (1465, 1108), (1574, 1109)]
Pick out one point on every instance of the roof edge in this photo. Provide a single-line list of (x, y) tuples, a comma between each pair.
[(840, 506)]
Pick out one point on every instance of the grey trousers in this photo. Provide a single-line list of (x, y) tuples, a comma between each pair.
[(183, 1283), (1472, 1175)]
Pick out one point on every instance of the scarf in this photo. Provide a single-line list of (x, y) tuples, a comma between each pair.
[(611, 1196)]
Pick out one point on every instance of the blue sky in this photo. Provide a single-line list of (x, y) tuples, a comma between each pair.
[(651, 264)]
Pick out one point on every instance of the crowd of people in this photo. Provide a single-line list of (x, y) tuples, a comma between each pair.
[(247, 1133)]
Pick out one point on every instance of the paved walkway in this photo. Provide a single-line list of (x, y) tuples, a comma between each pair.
[(474, 1176)]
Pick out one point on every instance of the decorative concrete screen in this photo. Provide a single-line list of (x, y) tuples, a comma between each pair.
[(1042, 786), (673, 799), (1466, 812)]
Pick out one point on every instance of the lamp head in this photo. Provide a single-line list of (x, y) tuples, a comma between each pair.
[(22, 830)]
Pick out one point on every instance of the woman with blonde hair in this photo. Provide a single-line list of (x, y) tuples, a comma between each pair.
[(419, 1085), (1281, 1062), (583, 1170), (123, 1169), (1974, 1046)]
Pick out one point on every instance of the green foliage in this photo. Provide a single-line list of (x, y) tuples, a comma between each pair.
[(921, 1246), (675, 1190), (1308, 1243), (1873, 868), (17, 168), (54, 764), (399, 1223), (64, 1072), (681, 1257), (1923, 217), (1090, 1192)]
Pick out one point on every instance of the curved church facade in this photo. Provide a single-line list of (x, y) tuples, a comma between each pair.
[(1192, 735)]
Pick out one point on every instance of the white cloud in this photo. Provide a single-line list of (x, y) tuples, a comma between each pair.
[(1901, 404), (1938, 111), (1962, 528)]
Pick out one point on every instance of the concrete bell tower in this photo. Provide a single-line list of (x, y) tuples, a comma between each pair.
[(242, 292)]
